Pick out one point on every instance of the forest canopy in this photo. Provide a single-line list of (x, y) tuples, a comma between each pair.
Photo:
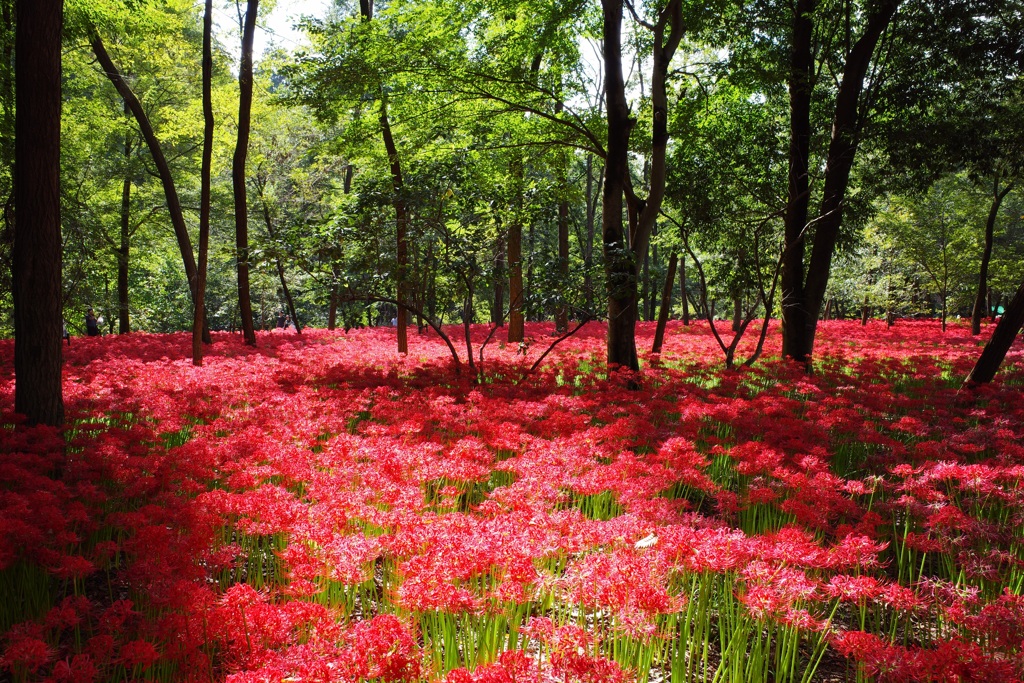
[(501, 161)]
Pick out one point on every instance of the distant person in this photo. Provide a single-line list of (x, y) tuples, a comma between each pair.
[(281, 319), (288, 324), (92, 324), (64, 332)]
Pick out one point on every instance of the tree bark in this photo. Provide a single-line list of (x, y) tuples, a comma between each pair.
[(401, 223), (562, 313), (1002, 339), (159, 160), (623, 250), (124, 326), (37, 294), (682, 290), (269, 222), (801, 86), (516, 319), (990, 226), (238, 172), (620, 261), (199, 310), (839, 162), (498, 304), (666, 304)]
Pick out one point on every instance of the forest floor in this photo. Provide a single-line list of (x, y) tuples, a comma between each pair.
[(319, 508)]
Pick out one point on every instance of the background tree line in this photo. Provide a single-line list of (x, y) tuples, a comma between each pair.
[(506, 161)]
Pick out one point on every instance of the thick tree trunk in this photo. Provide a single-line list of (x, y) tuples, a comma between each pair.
[(159, 160), (238, 172), (839, 163), (801, 85), (666, 304), (990, 226), (623, 251), (1002, 339), (620, 261), (37, 242), (198, 314)]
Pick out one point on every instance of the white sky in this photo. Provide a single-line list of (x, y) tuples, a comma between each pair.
[(275, 28)]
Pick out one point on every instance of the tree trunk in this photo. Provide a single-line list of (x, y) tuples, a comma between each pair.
[(620, 261), (125, 242), (801, 85), (839, 162), (591, 228), (516, 319), (498, 305), (1002, 339), (666, 304), (238, 172), (269, 222), (199, 322), (682, 290), (562, 313), (865, 312), (401, 224), (36, 263), (623, 250), (159, 160), (990, 226), (332, 307)]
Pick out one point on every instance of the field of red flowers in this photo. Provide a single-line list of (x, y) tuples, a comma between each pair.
[(320, 509)]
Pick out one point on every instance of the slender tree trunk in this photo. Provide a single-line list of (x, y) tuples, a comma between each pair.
[(199, 322), (36, 264), (1002, 339), (238, 172), (498, 305), (801, 85), (401, 214), (682, 290), (865, 312), (562, 313), (516, 319), (269, 222), (332, 310), (159, 160), (990, 226), (401, 225), (591, 227), (125, 242), (666, 304)]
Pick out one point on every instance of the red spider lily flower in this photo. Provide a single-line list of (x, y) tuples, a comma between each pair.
[(138, 653)]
